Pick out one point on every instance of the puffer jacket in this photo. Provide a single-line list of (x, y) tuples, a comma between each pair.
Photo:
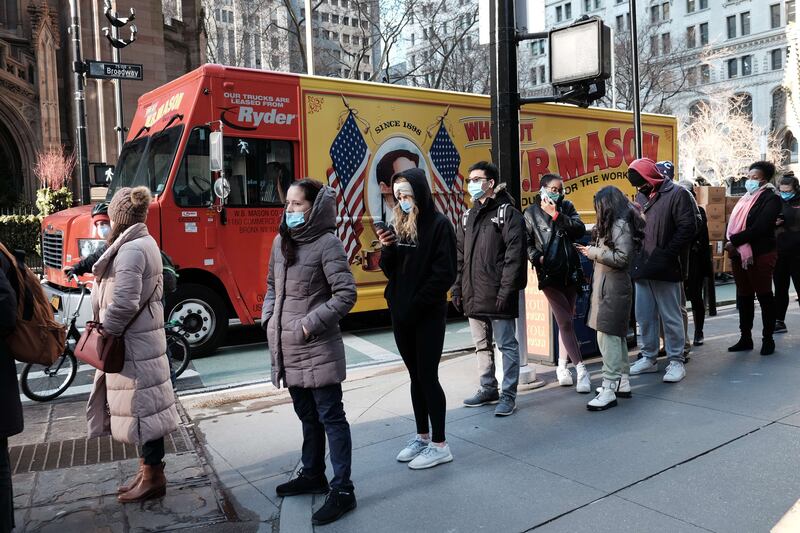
[(10, 407), (760, 228), (671, 215), (138, 404), (788, 233), (546, 234), (491, 259), (420, 274), (316, 292), (612, 290)]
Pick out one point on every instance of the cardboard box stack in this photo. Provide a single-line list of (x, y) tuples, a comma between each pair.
[(713, 201)]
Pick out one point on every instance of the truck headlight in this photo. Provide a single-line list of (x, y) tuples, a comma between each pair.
[(89, 246)]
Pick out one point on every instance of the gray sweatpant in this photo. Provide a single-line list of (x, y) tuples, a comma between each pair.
[(660, 301)]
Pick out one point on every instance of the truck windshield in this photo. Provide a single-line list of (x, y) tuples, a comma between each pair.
[(146, 161)]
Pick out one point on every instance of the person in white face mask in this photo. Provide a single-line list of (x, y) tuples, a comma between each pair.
[(491, 254), (102, 229)]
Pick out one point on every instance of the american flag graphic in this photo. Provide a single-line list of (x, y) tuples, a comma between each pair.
[(349, 155), (448, 184)]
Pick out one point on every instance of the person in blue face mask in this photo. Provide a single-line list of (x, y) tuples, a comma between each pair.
[(309, 290), (787, 267), (491, 254), (752, 248)]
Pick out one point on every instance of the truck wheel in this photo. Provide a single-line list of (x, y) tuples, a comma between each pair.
[(203, 315)]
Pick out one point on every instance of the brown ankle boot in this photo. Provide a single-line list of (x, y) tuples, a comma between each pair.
[(152, 485), (132, 483)]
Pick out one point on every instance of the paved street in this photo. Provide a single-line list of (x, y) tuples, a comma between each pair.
[(716, 452)]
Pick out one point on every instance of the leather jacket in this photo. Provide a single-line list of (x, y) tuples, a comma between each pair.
[(546, 236)]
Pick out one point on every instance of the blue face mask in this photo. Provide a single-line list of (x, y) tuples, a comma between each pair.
[(103, 230), (475, 189), (406, 206), (293, 220), (787, 195), (752, 185)]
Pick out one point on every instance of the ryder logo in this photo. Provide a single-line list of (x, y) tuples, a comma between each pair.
[(256, 118)]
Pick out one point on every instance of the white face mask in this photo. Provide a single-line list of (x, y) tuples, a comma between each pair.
[(103, 230)]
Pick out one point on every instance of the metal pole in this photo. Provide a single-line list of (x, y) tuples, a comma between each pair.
[(309, 40), (613, 71), (80, 103), (637, 111), (120, 127)]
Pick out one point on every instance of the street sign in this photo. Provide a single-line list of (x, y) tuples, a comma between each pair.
[(105, 70)]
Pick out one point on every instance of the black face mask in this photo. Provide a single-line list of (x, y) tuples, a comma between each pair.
[(647, 190)]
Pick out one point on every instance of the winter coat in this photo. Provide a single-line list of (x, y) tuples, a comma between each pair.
[(420, 274), (760, 227), (10, 405), (140, 400), (316, 292), (612, 291), (788, 233), (700, 265), (491, 259), (671, 227), (547, 235)]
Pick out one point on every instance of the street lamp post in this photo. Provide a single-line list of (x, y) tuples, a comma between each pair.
[(78, 68), (309, 40), (637, 110), (118, 44)]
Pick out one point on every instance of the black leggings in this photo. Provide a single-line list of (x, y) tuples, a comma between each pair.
[(786, 269), (420, 342), (6, 491), (694, 293), (153, 452)]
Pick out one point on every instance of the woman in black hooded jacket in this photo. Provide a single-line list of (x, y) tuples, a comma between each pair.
[(419, 258)]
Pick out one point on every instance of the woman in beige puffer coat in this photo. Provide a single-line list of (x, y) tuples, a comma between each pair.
[(136, 405)]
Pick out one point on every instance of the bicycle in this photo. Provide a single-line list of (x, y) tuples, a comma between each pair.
[(42, 383)]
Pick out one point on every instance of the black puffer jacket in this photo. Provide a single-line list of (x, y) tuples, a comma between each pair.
[(671, 228), (10, 405), (788, 234), (546, 235), (760, 227), (700, 264), (420, 274), (491, 259)]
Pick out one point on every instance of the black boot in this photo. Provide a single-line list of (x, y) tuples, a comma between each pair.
[(768, 314), (699, 316), (338, 503), (747, 309), (303, 484)]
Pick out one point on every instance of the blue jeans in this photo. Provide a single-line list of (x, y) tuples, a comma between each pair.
[(321, 411), (660, 301), (504, 333)]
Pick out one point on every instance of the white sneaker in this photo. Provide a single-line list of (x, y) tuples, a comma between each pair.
[(431, 456), (564, 376), (675, 372), (624, 388), (414, 448), (584, 383), (644, 366), (605, 399)]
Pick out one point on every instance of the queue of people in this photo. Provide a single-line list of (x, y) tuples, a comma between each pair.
[(649, 256)]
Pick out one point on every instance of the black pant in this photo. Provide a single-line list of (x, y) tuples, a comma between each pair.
[(694, 293), (6, 490), (322, 413), (153, 452), (420, 342), (787, 269)]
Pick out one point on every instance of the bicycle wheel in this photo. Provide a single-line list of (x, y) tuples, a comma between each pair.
[(177, 353), (44, 383)]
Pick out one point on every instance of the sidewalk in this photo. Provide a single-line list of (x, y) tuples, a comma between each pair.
[(65, 483), (716, 452)]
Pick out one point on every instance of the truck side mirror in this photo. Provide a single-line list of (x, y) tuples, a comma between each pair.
[(215, 159)]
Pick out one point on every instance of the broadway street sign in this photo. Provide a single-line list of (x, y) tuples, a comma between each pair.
[(114, 71)]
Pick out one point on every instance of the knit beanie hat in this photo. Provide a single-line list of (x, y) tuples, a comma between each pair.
[(129, 205)]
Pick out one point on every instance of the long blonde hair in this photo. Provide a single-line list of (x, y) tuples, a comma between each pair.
[(405, 223)]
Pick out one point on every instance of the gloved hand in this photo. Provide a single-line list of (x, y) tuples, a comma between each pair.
[(501, 304), (457, 303), (69, 271)]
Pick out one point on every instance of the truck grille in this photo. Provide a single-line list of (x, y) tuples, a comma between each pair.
[(52, 248)]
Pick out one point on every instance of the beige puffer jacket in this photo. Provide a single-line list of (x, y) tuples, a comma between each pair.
[(138, 404)]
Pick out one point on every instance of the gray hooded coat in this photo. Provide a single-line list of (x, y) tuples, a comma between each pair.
[(315, 292)]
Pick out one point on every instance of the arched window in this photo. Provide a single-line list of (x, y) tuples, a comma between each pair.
[(696, 109), (742, 103), (790, 148)]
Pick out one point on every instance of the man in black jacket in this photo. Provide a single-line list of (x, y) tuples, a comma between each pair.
[(491, 250), (11, 417), (657, 271)]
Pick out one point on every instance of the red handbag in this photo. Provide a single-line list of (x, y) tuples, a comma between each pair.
[(103, 351)]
